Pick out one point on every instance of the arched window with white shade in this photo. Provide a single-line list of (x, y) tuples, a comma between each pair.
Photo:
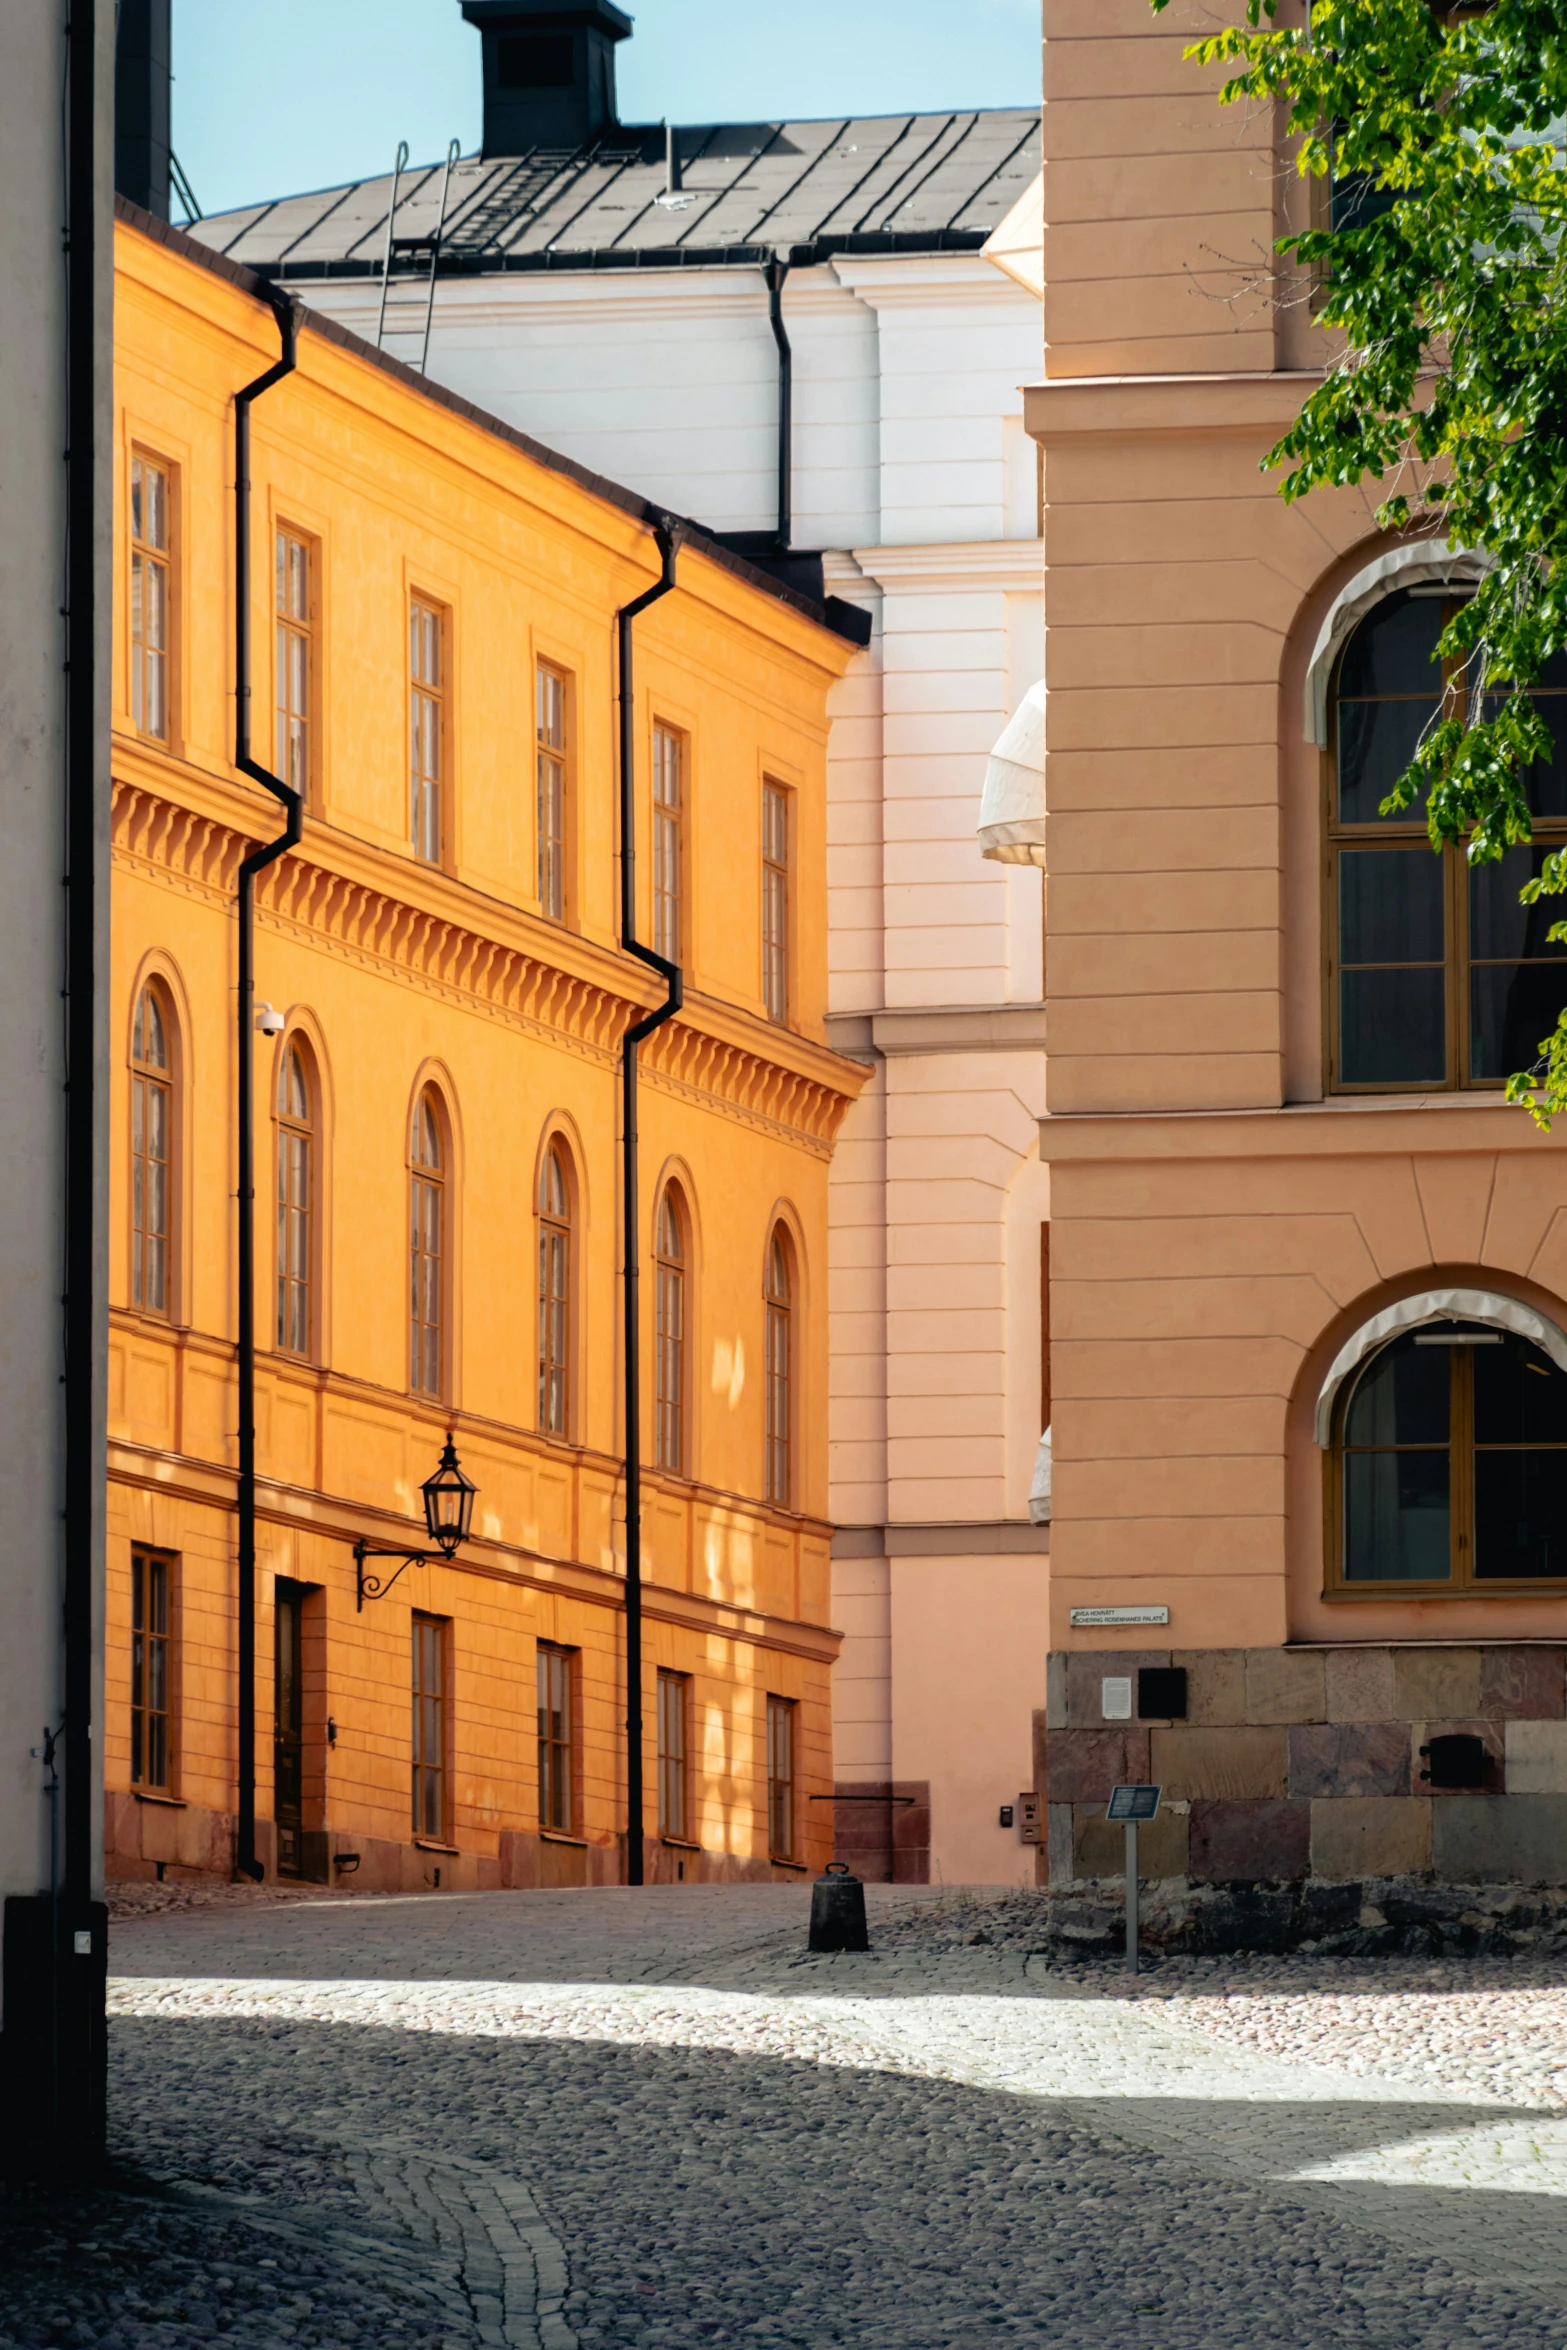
[(1447, 1453)]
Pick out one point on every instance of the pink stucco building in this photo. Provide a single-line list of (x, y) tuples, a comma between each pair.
[(1309, 1271)]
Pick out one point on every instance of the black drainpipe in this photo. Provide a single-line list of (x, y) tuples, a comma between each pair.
[(668, 537), (777, 271), (245, 1861)]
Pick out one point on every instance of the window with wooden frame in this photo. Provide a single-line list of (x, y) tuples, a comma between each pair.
[(778, 1306), (775, 900), (669, 757), (669, 1332), (674, 1708), (152, 1671), (294, 623), (431, 1723), (152, 595), (557, 1739), (296, 1171), (152, 1141), (426, 728), (427, 1242), (551, 813), (781, 1713), (1437, 976), (555, 1274), (1446, 1467)]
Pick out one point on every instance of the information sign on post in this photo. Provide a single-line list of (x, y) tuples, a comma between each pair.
[(1131, 1805)]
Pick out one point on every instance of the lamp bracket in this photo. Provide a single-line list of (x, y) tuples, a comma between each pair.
[(377, 1586)]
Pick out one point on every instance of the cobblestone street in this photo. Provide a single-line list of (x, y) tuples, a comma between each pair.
[(549, 2119)]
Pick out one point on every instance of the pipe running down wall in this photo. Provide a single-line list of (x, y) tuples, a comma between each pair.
[(245, 1862), (668, 536)]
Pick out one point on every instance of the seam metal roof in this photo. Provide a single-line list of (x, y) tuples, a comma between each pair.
[(886, 183)]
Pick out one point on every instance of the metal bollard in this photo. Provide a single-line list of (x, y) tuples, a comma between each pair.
[(838, 1911)]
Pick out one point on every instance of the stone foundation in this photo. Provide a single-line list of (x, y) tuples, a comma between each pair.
[(1380, 1917), (1303, 1768)]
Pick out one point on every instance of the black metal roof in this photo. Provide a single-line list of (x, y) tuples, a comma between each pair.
[(914, 183)]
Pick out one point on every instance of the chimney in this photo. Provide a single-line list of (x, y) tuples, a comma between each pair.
[(141, 104), (549, 71)]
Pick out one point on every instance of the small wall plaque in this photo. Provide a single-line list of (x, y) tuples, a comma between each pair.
[(1115, 1698), (1119, 1615)]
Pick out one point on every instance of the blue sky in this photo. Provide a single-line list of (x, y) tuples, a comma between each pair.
[(273, 96)]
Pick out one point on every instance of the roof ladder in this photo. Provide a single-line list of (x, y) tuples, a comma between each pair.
[(412, 252)]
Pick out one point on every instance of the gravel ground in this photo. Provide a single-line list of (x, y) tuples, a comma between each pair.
[(578, 2119)]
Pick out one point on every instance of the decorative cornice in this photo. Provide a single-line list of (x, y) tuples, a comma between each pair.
[(1015, 566), (713, 1055)]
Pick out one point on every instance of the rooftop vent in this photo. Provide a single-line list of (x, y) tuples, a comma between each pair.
[(549, 71)]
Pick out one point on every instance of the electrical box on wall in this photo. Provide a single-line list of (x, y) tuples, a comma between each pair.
[(1029, 1813)]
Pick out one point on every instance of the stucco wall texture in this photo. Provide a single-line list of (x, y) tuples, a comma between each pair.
[(396, 973), (1219, 1224)]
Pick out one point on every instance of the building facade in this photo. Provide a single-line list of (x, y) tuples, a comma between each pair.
[(1309, 1277), (792, 332), (440, 1002)]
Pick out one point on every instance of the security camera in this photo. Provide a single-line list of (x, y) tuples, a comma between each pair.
[(268, 1022)]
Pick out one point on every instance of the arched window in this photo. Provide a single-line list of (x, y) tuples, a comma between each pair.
[(780, 1370), (427, 1243), (669, 1332), (295, 1204), (1437, 975), (152, 1138), (1449, 1452), (555, 1272)]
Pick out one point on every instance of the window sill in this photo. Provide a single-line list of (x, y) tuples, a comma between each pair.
[(776, 1860), (169, 1802), (1384, 1592), (559, 1836), (680, 1843), (428, 1844)]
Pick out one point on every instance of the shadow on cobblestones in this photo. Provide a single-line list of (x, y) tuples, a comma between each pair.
[(704, 2196)]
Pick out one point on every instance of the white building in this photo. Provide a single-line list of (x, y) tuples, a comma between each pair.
[(654, 306)]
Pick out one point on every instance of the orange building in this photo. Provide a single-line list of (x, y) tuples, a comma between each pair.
[(1309, 1271), (440, 1002)]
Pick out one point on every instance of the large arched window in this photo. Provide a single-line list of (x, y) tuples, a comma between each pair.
[(427, 1248), (1438, 977), (555, 1276), (1449, 1452), (780, 1369), (152, 1145), (669, 1332), (296, 1174)]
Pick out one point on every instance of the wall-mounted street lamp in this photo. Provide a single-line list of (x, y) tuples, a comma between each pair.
[(448, 1514)]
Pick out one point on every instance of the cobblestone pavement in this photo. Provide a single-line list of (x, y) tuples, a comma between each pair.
[(568, 2119)]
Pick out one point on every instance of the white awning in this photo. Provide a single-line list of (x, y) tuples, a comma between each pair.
[(1400, 567), (1435, 1305), (1012, 804)]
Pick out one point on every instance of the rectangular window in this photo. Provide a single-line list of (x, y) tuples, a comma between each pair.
[(429, 1728), (557, 1734), (551, 814), (151, 597), (294, 623), (668, 846), (775, 900), (780, 1777), (151, 1669), (150, 1127), (426, 728), (674, 1698)]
